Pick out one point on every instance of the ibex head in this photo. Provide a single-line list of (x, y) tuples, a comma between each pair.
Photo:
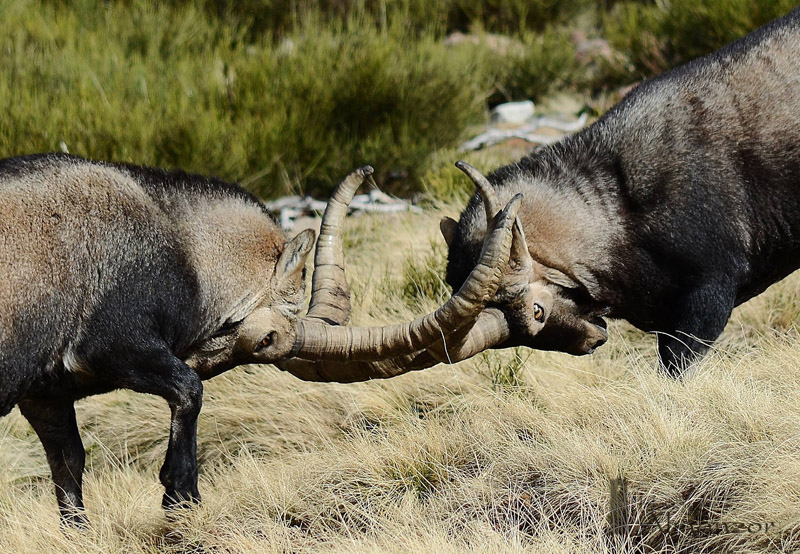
[(539, 304)]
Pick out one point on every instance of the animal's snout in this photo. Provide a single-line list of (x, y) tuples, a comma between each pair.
[(598, 342), (597, 335)]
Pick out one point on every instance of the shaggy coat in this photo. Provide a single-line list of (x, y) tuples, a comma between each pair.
[(680, 203), (114, 276)]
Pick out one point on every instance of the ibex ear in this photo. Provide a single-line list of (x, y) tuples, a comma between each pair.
[(555, 276), (293, 260), (580, 277), (448, 227)]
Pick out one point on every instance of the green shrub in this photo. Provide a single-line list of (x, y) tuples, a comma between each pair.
[(543, 63), (659, 36), (144, 85), (343, 98), (279, 18), (166, 86), (293, 98)]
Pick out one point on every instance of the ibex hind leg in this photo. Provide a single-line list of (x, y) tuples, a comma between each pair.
[(55, 424)]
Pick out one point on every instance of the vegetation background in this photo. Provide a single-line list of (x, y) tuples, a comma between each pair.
[(510, 451), (290, 95)]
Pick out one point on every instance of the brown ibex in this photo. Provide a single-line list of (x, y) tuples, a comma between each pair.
[(680, 203), (118, 276)]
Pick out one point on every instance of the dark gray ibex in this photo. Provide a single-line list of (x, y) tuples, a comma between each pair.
[(677, 205), (116, 276)]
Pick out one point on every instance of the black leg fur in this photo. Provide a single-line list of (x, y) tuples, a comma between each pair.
[(162, 374), (700, 318), (55, 424)]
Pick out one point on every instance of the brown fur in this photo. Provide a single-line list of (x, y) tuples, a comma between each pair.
[(118, 276)]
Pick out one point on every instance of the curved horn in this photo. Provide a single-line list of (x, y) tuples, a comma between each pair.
[(520, 256), (336, 371), (491, 328), (521, 259), (330, 293), (316, 340), (491, 202)]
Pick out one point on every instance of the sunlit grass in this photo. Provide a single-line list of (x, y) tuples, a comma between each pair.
[(511, 450)]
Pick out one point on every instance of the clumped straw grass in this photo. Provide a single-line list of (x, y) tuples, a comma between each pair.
[(508, 451)]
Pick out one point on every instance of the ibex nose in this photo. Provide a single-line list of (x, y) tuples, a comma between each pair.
[(597, 344), (597, 337)]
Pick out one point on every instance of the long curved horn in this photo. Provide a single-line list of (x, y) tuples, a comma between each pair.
[(336, 371), (491, 202), (330, 293), (316, 340), (491, 328), (520, 255)]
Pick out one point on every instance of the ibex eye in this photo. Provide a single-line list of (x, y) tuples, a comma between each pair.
[(538, 313), (266, 341)]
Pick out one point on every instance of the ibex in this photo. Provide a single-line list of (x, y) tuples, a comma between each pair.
[(118, 276), (678, 204)]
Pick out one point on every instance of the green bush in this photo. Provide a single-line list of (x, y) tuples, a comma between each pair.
[(292, 96), (278, 17), (350, 97), (543, 63), (166, 86), (510, 16), (659, 36)]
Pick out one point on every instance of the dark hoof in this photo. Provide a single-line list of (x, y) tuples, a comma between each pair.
[(74, 519), (174, 500)]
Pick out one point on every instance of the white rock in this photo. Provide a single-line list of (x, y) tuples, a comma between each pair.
[(513, 112)]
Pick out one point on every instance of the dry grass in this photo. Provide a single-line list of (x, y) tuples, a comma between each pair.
[(510, 451)]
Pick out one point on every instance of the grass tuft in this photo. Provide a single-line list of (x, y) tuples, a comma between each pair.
[(424, 280)]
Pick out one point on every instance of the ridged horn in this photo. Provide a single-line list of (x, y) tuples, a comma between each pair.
[(316, 340), (491, 202), (520, 255), (330, 293), (491, 328)]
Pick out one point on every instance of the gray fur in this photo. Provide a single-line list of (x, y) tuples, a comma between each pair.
[(117, 276), (678, 204)]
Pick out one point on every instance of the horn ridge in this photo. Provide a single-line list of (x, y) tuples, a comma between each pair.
[(490, 329), (330, 292), (491, 202)]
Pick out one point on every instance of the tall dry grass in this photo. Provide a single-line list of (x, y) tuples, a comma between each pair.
[(511, 451)]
